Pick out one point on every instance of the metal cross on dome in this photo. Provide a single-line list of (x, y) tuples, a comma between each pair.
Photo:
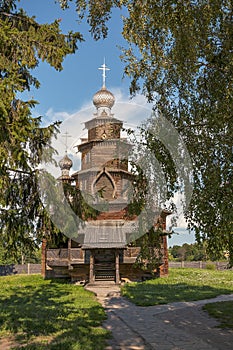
[(104, 68), (66, 135)]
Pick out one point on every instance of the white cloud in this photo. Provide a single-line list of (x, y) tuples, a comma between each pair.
[(180, 237), (180, 222), (53, 116)]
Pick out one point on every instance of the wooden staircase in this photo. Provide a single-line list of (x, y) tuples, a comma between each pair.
[(105, 271)]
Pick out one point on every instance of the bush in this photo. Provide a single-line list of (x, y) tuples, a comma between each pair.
[(210, 266)]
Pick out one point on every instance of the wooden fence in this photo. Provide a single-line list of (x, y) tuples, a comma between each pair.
[(218, 265), (29, 269), (16, 269)]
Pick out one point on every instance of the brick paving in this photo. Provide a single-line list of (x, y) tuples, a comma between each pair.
[(175, 326)]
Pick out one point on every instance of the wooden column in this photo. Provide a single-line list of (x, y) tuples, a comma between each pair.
[(69, 253), (91, 274), (165, 249), (165, 256), (117, 267), (44, 257)]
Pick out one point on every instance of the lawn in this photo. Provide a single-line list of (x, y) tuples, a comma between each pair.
[(50, 314), (181, 285), (53, 314), (222, 312)]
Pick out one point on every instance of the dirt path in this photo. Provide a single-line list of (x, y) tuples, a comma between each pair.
[(177, 326)]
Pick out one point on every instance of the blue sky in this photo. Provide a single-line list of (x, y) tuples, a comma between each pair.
[(67, 95), (70, 89)]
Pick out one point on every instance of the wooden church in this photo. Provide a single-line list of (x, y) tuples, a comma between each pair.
[(103, 249)]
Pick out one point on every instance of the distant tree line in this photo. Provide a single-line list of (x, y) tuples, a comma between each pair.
[(23, 255), (193, 252)]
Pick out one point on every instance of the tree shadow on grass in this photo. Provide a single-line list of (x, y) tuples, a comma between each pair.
[(143, 294), (48, 317)]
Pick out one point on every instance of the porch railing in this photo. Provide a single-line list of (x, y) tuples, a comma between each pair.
[(70, 255)]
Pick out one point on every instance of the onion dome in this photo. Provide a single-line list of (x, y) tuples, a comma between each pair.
[(103, 98), (65, 163)]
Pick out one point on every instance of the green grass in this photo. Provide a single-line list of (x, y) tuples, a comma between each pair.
[(50, 314), (222, 312), (181, 285)]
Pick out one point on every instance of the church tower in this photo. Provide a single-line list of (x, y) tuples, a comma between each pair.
[(104, 171)]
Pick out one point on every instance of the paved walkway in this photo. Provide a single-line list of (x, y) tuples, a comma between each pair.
[(175, 326)]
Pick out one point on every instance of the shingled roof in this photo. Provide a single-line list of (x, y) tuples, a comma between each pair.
[(107, 235)]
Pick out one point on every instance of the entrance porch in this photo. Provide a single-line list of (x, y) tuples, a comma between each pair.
[(104, 265)]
